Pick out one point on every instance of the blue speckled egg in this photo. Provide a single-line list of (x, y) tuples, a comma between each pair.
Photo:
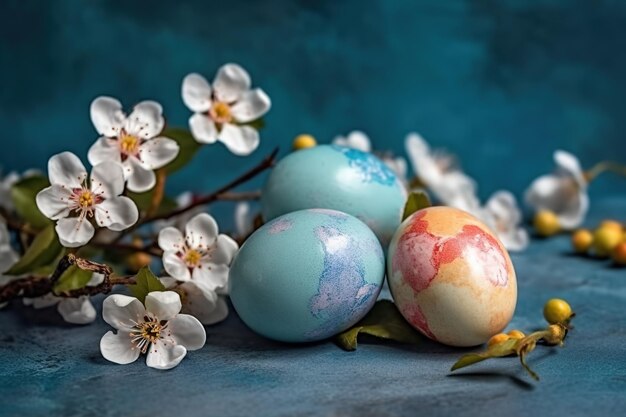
[(338, 178), (307, 275)]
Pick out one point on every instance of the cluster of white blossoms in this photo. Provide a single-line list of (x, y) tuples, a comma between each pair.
[(130, 148)]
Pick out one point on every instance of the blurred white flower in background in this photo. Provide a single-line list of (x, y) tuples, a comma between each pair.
[(72, 200), (563, 192), (73, 310), (502, 214), (156, 329), (222, 109), (7, 182), (355, 140), (132, 141), (244, 223), (8, 257)]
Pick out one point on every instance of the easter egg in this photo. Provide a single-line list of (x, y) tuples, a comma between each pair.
[(339, 178), (451, 277), (307, 275)]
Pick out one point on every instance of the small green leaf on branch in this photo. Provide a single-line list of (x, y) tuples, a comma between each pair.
[(43, 251), (146, 282), (23, 194)]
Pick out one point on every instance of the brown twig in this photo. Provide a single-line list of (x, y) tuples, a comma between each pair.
[(240, 196), (266, 163)]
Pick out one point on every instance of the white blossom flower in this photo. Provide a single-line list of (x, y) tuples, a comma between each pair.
[(157, 329), (355, 140), (202, 255), (199, 300), (439, 172), (72, 200), (222, 109), (132, 141), (502, 214), (78, 310), (563, 192)]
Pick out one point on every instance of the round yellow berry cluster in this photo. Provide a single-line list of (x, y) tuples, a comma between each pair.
[(607, 240)]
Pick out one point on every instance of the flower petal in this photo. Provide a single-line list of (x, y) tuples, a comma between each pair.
[(231, 82), (158, 152), (243, 222), (196, 92), (240, 140), (567, 163), (171, 239), (165, 305), (107, 179), (201, 231), (107, 116), (118, 348), (120, 311), (53, 201), (574, 213), (202, 128), (139, 178), (187, 331), (213, 276), (202, 303), (46, 301), (146, 121), (355, 140), (165, 356), (251, 105), (77, 310), (225, 249), (74, 232), (175, 266), (104, 150), (96, 279), (117, 214), (66, 169)]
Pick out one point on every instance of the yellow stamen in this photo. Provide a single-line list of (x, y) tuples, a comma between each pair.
[(86, 199), (192, 258), (220, 112), (129, 144)]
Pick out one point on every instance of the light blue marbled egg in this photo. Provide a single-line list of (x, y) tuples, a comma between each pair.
[(334, 177), (307, 275)]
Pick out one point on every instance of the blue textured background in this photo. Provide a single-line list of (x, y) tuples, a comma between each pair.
[(501, 83)]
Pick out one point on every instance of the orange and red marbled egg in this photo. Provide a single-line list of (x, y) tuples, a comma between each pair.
[(451, 277)]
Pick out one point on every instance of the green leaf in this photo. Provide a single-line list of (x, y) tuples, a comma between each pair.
[(188, 148), (23, 194), (417, 200), (44, 249), (144, 200), (505, 348), (72, 279), (146, 282), (257, 124), (384, 321)]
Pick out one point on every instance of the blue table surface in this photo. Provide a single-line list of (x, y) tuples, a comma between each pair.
[(54, 369)]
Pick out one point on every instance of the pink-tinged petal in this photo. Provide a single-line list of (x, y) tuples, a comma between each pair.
[(107, 179), (122, 311), (139, 179), (104, 150), (165, 355), (213, 276), (146, 121), (196, 93), (187, 331), (117, 214), (230, 83), (201, 231), (202, 128), (175, 266), (107, 116), (158, 152), (171, 239), (54, 201), (77, 310), (240, 140), (251, 105), (73, 232), (164, 305), (225, 249), (118, 348), (66, 169)]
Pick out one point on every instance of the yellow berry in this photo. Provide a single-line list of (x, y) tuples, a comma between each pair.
[(605, 239), (516, 334), (546, 223), (557, 311), (612, 224), (619, 254), (582, 240), (303, 141), (497, 339)]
